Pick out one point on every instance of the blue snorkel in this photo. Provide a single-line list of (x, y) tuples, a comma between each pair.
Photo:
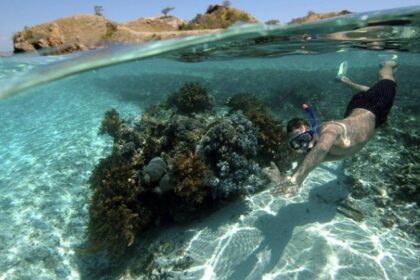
[(314, 125), (307, 139)]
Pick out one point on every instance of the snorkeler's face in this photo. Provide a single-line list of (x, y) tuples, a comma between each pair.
[(301, 139)]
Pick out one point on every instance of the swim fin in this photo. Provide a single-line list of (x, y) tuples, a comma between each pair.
[(342, 70)]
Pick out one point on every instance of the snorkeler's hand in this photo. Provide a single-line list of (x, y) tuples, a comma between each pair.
[(272, 172), (285, 187), (282, 184)]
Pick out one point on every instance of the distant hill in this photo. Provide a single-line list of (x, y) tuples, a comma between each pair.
[(218, 16), (312, 16)]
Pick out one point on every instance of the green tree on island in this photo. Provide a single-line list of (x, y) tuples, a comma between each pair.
[(98, 10), (166, 10)]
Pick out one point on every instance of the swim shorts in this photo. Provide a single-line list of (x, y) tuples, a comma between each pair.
[(378, 99)]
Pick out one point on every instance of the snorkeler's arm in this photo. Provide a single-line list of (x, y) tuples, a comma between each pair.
[(289, 185), (353, 85), (315, 156)]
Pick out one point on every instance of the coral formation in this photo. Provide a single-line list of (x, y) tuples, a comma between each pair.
[(230, 146), (272, 139), (111, 124), (183, 132), (191, 98), (190, 171), (175, 161), (246, 102)]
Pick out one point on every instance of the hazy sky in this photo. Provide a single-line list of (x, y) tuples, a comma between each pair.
[(15, 14)]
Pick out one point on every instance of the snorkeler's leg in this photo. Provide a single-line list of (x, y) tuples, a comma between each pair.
[(354, 86), (387, 70)]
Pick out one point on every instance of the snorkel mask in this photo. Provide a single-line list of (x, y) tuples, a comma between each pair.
[(303, 140)]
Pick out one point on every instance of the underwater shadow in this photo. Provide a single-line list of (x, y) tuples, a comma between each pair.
[(99, 265), (278, 230)]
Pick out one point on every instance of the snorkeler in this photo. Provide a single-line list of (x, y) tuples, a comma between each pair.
[(334, 140)]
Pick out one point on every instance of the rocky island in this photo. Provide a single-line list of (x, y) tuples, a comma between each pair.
[(83, 32), (90, 31)]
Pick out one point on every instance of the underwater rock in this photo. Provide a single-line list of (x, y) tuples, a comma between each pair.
[(154, 170), (348, 210), (183, 263), (357, 188), (389, 219), (166, 184), (191, 97), (408, 179)]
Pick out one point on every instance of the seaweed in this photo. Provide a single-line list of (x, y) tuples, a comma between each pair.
[(191, 97), (111, 124), (246, 102), (115, 212), (182, 133), (189, 173)]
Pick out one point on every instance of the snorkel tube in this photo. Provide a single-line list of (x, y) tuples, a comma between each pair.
[(314, 125)]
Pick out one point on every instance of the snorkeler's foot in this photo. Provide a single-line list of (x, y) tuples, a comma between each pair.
[(390, 63), (342, 70)]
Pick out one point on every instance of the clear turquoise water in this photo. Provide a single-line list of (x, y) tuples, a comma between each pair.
[(49, 146)]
